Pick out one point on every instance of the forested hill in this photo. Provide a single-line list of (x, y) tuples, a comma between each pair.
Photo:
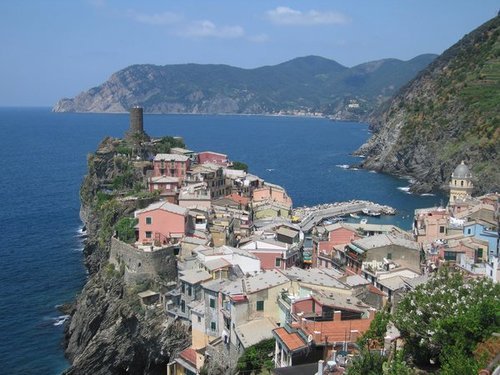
[(308, 84), (448, 113)]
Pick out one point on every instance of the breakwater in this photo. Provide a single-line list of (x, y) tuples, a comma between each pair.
[(310, 216)]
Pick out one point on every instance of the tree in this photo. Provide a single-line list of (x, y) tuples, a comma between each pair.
[(397, 365), (448, 314), (240, 166), (368, 363), (256, 357), (125, 228), (378, 328)]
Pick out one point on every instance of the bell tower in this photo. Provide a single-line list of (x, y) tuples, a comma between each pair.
[(461, 183)]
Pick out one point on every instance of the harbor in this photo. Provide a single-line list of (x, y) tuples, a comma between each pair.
[(310, 216)]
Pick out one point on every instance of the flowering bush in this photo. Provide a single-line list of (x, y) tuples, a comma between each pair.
[(446, 313)]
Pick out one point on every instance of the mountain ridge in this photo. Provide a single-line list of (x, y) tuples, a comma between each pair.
[(448, 113), (311, 84)]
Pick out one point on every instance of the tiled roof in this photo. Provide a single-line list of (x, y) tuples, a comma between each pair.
[(170, 157), (292, 340), (194, 276), (314, 276), (165, 206), (238, 198), (335, 330), (189, 355), (264, 280)]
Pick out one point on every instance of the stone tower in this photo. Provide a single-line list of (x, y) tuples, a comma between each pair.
[(136, 131), (136, 120), (461, 183)]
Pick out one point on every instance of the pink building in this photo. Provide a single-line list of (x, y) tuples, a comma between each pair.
[(161, 223), (171, 165), (273, 193), (213, 157), (167, 186), (272, 254), (333, 235)]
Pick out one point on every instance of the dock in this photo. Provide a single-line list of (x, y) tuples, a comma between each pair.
[(310, 216)]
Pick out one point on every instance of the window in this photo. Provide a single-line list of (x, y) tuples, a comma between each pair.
[(148, 234), (213, 326), (199, 319), (278, 262), (260, 305), (469, 231), (389, 255), (190, 290), (461, 183), (441, 229), (212, 303), (183, 306), (183, 288), (450, 255), (480, 253), (149, 220)]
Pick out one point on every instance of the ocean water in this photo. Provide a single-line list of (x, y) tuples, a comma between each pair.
[(43, 158)]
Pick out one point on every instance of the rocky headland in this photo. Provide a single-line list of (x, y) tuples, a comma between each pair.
[(109, 332)]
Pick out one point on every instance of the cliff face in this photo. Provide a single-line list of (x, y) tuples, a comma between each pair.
[(448, 113), (109, 332), (309, 84)]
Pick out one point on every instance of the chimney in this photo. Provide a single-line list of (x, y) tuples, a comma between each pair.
[(337, 315), (371, 313), (354, 335), (320, 367)]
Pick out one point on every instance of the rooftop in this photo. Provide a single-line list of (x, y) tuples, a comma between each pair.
[(314, 276), (264, 280), (164, 206), (287, 232), (255, 331), (382, 240), (170, 157), (292, 341), (215, 285), (194, 276), (215, 264)]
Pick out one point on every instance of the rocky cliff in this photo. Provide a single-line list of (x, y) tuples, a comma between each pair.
[(448, 113), (109, 332), (307, 84)]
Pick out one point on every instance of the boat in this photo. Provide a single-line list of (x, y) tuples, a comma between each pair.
[(354, 216), (368, 212), (363, 221)]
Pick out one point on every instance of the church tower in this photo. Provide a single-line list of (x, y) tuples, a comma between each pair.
[(461, 183)]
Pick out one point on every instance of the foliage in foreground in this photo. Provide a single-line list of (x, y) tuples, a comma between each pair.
[(447, 317), (257, 357)]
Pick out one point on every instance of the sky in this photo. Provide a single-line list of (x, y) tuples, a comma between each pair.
[(58, 48)]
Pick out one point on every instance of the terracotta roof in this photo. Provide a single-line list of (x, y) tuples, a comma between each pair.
[(376, 290), (334, 331), (238, 199), (292, 340), (189, 355)]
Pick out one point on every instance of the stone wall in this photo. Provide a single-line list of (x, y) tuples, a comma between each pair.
[(139, 265)]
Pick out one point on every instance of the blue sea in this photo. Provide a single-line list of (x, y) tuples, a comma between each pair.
[(43, 158)]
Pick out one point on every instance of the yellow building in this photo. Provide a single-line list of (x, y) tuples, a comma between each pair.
[(461, 184)]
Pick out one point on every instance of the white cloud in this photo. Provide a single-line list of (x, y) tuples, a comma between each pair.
[(155, 19), (259, 38), (293, 17), (204, 29)]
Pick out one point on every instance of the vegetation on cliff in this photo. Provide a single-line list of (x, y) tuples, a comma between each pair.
[(110, 332), (310, 84), (448, 113)]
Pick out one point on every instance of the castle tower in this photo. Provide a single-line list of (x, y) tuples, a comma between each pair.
[(461, 183), (136, 120)]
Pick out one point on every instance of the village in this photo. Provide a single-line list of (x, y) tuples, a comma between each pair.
[(251, 268)]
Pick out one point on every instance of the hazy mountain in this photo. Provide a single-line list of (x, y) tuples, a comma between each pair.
[(310, 84)]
